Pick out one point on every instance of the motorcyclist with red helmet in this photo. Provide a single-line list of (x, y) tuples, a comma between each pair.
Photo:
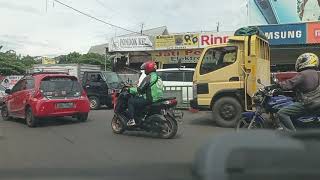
[(149, 91)]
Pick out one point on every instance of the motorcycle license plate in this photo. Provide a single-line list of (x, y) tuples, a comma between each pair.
[(178, 114), (64, 105)]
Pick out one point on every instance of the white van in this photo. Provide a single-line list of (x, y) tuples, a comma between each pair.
[(176, 79)]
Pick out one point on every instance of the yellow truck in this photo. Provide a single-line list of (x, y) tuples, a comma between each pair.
[(226, 77)]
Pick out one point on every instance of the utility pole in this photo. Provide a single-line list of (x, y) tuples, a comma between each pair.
[(218, 26), (248, 12), (142, 24), (46, 5), (105, 59)]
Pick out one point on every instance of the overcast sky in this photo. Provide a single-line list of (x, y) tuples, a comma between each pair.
[(28, 28)]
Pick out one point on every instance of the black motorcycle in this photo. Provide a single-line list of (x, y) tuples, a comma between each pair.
[(160, 117)]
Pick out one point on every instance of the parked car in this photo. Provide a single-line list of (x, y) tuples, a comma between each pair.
[(176, 79), (42, 95), (98, 84), (2, 93)]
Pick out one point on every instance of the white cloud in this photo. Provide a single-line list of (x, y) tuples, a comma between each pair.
[(27, 28)]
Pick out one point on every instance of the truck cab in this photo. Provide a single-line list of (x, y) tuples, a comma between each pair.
[(99, 87), (226, 77)]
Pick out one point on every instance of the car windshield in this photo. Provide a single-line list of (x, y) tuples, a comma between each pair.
[(111, 77), (60, 87)]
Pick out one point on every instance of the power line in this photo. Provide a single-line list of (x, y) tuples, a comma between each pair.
[(132, 18), (92, 17)]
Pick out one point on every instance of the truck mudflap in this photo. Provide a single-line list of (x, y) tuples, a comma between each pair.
[(194, 103)]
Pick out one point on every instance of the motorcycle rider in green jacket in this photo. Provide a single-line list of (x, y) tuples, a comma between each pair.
[(149, 91)]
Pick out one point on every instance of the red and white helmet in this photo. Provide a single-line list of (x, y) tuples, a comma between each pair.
[(148, 67)]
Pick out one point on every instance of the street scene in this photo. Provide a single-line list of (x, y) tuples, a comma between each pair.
[(68, 149), (105, 90)]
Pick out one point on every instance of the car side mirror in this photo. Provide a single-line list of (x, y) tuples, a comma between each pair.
[(7, 91), (259, 81)]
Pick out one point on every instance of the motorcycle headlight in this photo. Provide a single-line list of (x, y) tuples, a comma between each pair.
[(257, 99)]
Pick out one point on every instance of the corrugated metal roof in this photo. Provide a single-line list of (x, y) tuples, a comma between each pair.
[(152, 32), (99, 49)]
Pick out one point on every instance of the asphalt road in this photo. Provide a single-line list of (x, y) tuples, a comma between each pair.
[(66, 149)]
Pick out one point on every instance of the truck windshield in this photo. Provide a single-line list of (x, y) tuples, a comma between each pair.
[(111, 77), (217, 58)]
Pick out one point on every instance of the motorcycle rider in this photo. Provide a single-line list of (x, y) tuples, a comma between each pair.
[(150, 90), (305, 81)]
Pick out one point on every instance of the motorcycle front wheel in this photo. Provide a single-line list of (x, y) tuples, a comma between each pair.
[(117, 126), (244, 123), (169, 128)]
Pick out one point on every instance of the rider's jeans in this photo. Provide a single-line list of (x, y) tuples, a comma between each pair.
[(135, 104), (294, 110)]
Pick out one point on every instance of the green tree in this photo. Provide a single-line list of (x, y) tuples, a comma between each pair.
[(28, 61), (89, 58), (13, 64)]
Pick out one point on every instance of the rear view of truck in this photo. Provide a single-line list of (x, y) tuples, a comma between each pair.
[(226, 76)]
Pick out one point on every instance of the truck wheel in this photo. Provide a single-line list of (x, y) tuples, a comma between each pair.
[(94, 102), (226, 111)]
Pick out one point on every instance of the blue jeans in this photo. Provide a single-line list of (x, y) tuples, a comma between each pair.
[(294, 110), (135, 104)]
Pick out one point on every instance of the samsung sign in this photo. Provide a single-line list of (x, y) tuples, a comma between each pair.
[(285, 34)]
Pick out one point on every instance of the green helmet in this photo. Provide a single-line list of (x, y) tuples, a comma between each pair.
[(307, 60)]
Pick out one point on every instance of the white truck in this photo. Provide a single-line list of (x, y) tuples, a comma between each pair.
[(99, 85), (77, 70)]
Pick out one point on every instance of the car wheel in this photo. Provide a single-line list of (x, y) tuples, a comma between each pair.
[(227, 111), (94, 102), (30, 119), (82, 117), (5, 113)]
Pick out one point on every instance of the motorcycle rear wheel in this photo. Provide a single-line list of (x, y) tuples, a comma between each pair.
[(169, 128), (244, 123), (117, 126)]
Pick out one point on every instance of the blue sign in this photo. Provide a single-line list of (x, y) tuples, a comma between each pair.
[(285, 34)]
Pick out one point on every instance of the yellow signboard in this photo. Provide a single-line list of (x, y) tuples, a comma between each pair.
[(162, 42), (176, 56), (180, 41), (46, 60)]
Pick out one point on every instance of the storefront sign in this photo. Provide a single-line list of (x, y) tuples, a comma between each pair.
[(9, 81), (313, 33), (164, 42), (180, 41), (174, 56), (214, 38), (285, 34), (130, 43)]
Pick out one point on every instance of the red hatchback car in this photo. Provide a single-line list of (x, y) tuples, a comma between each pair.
[(46, 95)]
